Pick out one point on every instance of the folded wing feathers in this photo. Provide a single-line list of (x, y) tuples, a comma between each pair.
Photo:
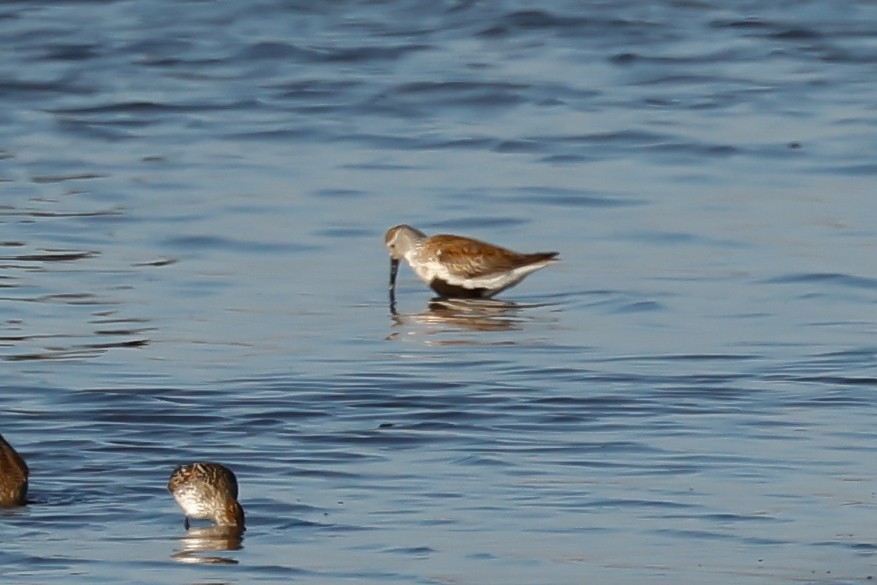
[(476, 271)]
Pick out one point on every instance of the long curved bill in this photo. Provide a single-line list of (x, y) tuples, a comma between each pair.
[(394, 269)]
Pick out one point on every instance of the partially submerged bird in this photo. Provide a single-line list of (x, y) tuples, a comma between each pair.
[(13, 476), (459, 267), (207, 491)]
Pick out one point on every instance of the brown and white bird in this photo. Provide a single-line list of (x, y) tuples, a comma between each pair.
[(13, 476), (460, 267), (207, 491)]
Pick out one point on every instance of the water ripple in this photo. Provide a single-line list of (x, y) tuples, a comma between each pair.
[(191, 267)]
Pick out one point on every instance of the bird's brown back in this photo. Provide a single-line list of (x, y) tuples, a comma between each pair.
[(13, 476), (471, 258)]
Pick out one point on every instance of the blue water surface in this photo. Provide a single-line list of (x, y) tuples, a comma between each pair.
[(193, 197)]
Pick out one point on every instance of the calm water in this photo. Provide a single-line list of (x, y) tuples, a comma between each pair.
[(193, 197)]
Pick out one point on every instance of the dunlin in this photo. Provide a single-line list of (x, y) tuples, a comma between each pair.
[(207, 491), (458, 267), (13, 476)]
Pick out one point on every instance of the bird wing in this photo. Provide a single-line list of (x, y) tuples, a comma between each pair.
[(470, 258)]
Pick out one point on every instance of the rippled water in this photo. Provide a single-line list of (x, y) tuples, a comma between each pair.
[(194, 196)]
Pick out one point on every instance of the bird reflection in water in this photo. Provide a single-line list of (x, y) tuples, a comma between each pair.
[(444, 315), (209, 539)]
